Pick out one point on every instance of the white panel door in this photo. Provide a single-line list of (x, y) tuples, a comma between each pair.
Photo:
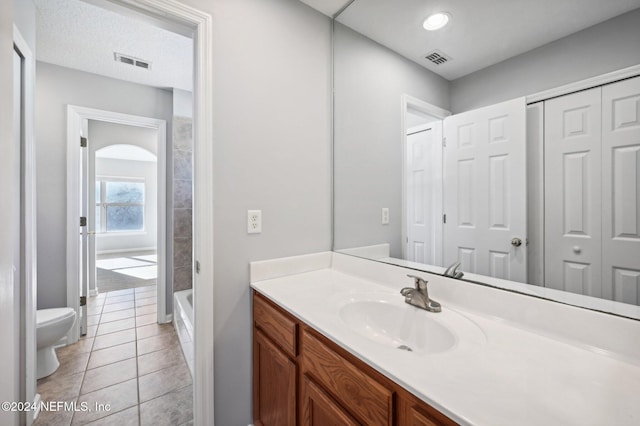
[(485, 190), (573, 193), (621, 191), (424, 194)]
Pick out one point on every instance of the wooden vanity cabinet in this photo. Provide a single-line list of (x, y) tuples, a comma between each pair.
[(302, 378)]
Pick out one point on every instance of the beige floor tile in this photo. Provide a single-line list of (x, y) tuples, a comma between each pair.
[(108, 375), (154, 361), (112, 354), (119, 397), (145, 289), (146, 309), (146, 301), (118, 306), (117, 315), (153, 330), (113, 339), (94, 309), (119, 299), (128, 417), (81, 346), (171, 409), (120, 292), (91, 331), (163, 381), (146, 319), (156, 343), (55, 417), (93, 319), (113, 326), (72, 363), (60, 388)]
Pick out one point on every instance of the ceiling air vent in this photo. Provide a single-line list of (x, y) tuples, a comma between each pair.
[(437, 57), (130, 60)]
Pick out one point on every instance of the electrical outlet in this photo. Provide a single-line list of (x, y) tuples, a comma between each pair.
[(254, 221), (385, 215)]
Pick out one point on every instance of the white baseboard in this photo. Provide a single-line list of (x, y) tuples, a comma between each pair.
[(93, 292)]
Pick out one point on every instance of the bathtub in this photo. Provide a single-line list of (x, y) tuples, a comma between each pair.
[(183, 323)]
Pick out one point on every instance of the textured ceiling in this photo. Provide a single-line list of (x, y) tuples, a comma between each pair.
[(480, 33), (83, 36)]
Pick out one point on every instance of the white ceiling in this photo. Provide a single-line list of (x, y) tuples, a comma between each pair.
[(480, 33), (328, 7), (82, 36)]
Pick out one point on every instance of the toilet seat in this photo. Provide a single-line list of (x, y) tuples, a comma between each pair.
[(46, 317)]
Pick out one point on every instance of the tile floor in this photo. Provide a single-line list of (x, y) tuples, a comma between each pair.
[(126, 360)]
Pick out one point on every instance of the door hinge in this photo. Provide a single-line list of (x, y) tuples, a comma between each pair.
[(83, 221), (444, 218), (197, 267), (444, 142), (83, 142), (83, 300)]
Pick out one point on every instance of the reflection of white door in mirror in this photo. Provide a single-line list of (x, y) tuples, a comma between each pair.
[(592, 154), (573, 239), (621, 195), (485, 190), (423, 182)]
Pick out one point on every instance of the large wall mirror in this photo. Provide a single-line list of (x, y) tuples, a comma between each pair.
[(503, 148)]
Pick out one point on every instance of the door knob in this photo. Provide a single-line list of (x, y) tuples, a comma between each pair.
[(517, 242)]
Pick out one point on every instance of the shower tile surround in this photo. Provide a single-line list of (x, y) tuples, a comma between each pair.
[(137, 368), (182, 202)]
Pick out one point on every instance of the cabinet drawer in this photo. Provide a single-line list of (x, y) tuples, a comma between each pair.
[(365, 398), (277, 325)]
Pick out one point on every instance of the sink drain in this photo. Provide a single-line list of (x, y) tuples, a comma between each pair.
[(405, 348)]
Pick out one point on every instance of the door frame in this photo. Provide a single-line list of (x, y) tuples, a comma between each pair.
[(76, 119), (406, 102), (201, 24), (28, 298)]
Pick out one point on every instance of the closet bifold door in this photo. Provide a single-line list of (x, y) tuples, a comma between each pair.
[(573, 195), (621, 191)]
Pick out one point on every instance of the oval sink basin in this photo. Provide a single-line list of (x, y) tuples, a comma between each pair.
[(402, 327)]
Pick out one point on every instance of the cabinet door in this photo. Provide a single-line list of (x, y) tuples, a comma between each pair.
[(274, 384), (319, 409)]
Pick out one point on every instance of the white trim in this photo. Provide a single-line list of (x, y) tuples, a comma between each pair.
[(76, 115), (127, 250), (585, 84), (438, 114), (36, 403), (28, 310), (203, 282)]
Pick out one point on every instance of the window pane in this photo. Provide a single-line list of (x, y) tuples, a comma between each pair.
[(98, 197), (97, 226), (125, 192), (125, 218)]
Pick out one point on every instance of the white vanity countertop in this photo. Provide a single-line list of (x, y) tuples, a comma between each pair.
[(500, 372)]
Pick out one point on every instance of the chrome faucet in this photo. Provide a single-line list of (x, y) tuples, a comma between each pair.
[(419, 296), (452, 271)]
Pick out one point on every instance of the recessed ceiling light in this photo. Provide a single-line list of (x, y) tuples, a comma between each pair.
[(436, 21)]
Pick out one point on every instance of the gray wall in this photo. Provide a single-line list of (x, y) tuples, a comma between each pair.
[(369, 82), (56, 88), (609, 46), (272, 145)]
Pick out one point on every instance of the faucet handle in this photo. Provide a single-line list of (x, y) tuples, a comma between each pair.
[(420, 282)]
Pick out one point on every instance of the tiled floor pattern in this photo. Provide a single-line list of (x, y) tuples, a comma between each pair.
[(126, 360), (118, 271)]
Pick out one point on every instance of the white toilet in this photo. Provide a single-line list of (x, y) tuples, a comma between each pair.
[(51, 326)]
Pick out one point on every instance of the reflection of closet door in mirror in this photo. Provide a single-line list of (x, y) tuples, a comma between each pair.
[(573, 193), (621, 191), (485, 190)]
